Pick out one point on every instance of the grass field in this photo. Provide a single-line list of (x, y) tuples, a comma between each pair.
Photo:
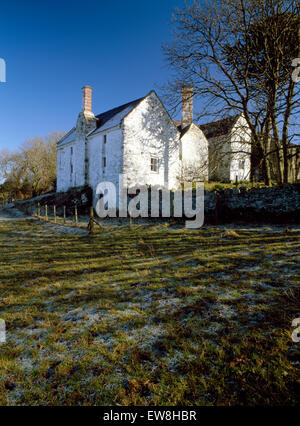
[(149, 315)]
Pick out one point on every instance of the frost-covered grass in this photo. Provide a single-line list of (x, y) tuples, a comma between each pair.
[(149, 315)]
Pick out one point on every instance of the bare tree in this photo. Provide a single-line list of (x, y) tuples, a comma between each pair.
[(237, 55), (32, 169)]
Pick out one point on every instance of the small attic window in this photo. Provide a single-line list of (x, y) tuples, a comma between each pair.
[(104, 138)]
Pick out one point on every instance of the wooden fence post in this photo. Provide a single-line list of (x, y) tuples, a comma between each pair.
[(64, 214), (76, 216), (54, 213), (39, 210), (91, 222), (46, 212)]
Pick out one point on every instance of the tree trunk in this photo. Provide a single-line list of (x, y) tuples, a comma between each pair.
[(266, 142)]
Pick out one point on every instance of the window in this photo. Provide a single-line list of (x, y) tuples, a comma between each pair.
[(71, 169), (154, 164), (241, 164), (71, 150), (104, 162), (104, 139)]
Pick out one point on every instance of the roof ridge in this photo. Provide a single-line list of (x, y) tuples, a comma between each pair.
[(221, 119), (121, 106), (219, 127)]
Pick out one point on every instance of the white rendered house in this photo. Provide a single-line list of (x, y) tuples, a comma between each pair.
[(229, 142), (138, 139)]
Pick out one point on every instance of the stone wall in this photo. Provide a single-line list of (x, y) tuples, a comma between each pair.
[(278, 204), (81, 197)]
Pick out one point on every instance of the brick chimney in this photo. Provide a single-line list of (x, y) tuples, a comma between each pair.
[(86, 99), (187, 105), (86, 122)]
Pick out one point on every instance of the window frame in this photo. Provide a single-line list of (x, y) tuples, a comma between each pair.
[(243, 162), (154, 166)]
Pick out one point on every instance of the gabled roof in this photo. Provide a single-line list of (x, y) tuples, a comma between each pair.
[(111, 118), (220, 127), (68, 137), (105, 120), (114, 116), (186, 129)]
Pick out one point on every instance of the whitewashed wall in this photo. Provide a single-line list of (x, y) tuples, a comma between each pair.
[(227, 151), (149, 132), (241, 150), (113, 153), (194, 154), (66, 179), (219, 158)]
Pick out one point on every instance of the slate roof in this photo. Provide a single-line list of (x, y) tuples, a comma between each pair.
[(214, 128), (220, 127), (105, 120), (118, 112)]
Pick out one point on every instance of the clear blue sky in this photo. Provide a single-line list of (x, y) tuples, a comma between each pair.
[(52, 48)]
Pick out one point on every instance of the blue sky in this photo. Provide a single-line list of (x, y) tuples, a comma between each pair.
[(52, 48)]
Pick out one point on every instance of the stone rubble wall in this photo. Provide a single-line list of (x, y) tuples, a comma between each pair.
[(82, 197), (278, 204)]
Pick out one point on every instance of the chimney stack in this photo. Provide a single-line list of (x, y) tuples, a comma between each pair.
[(187, 106), (87, 99)]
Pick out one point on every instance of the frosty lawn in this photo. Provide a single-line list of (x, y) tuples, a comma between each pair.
[(149, 315)]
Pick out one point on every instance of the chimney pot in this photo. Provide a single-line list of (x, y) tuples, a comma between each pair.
[(187, 105), (87, 98)]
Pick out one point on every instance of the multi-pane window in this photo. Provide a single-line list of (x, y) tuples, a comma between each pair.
[(154, 164)]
